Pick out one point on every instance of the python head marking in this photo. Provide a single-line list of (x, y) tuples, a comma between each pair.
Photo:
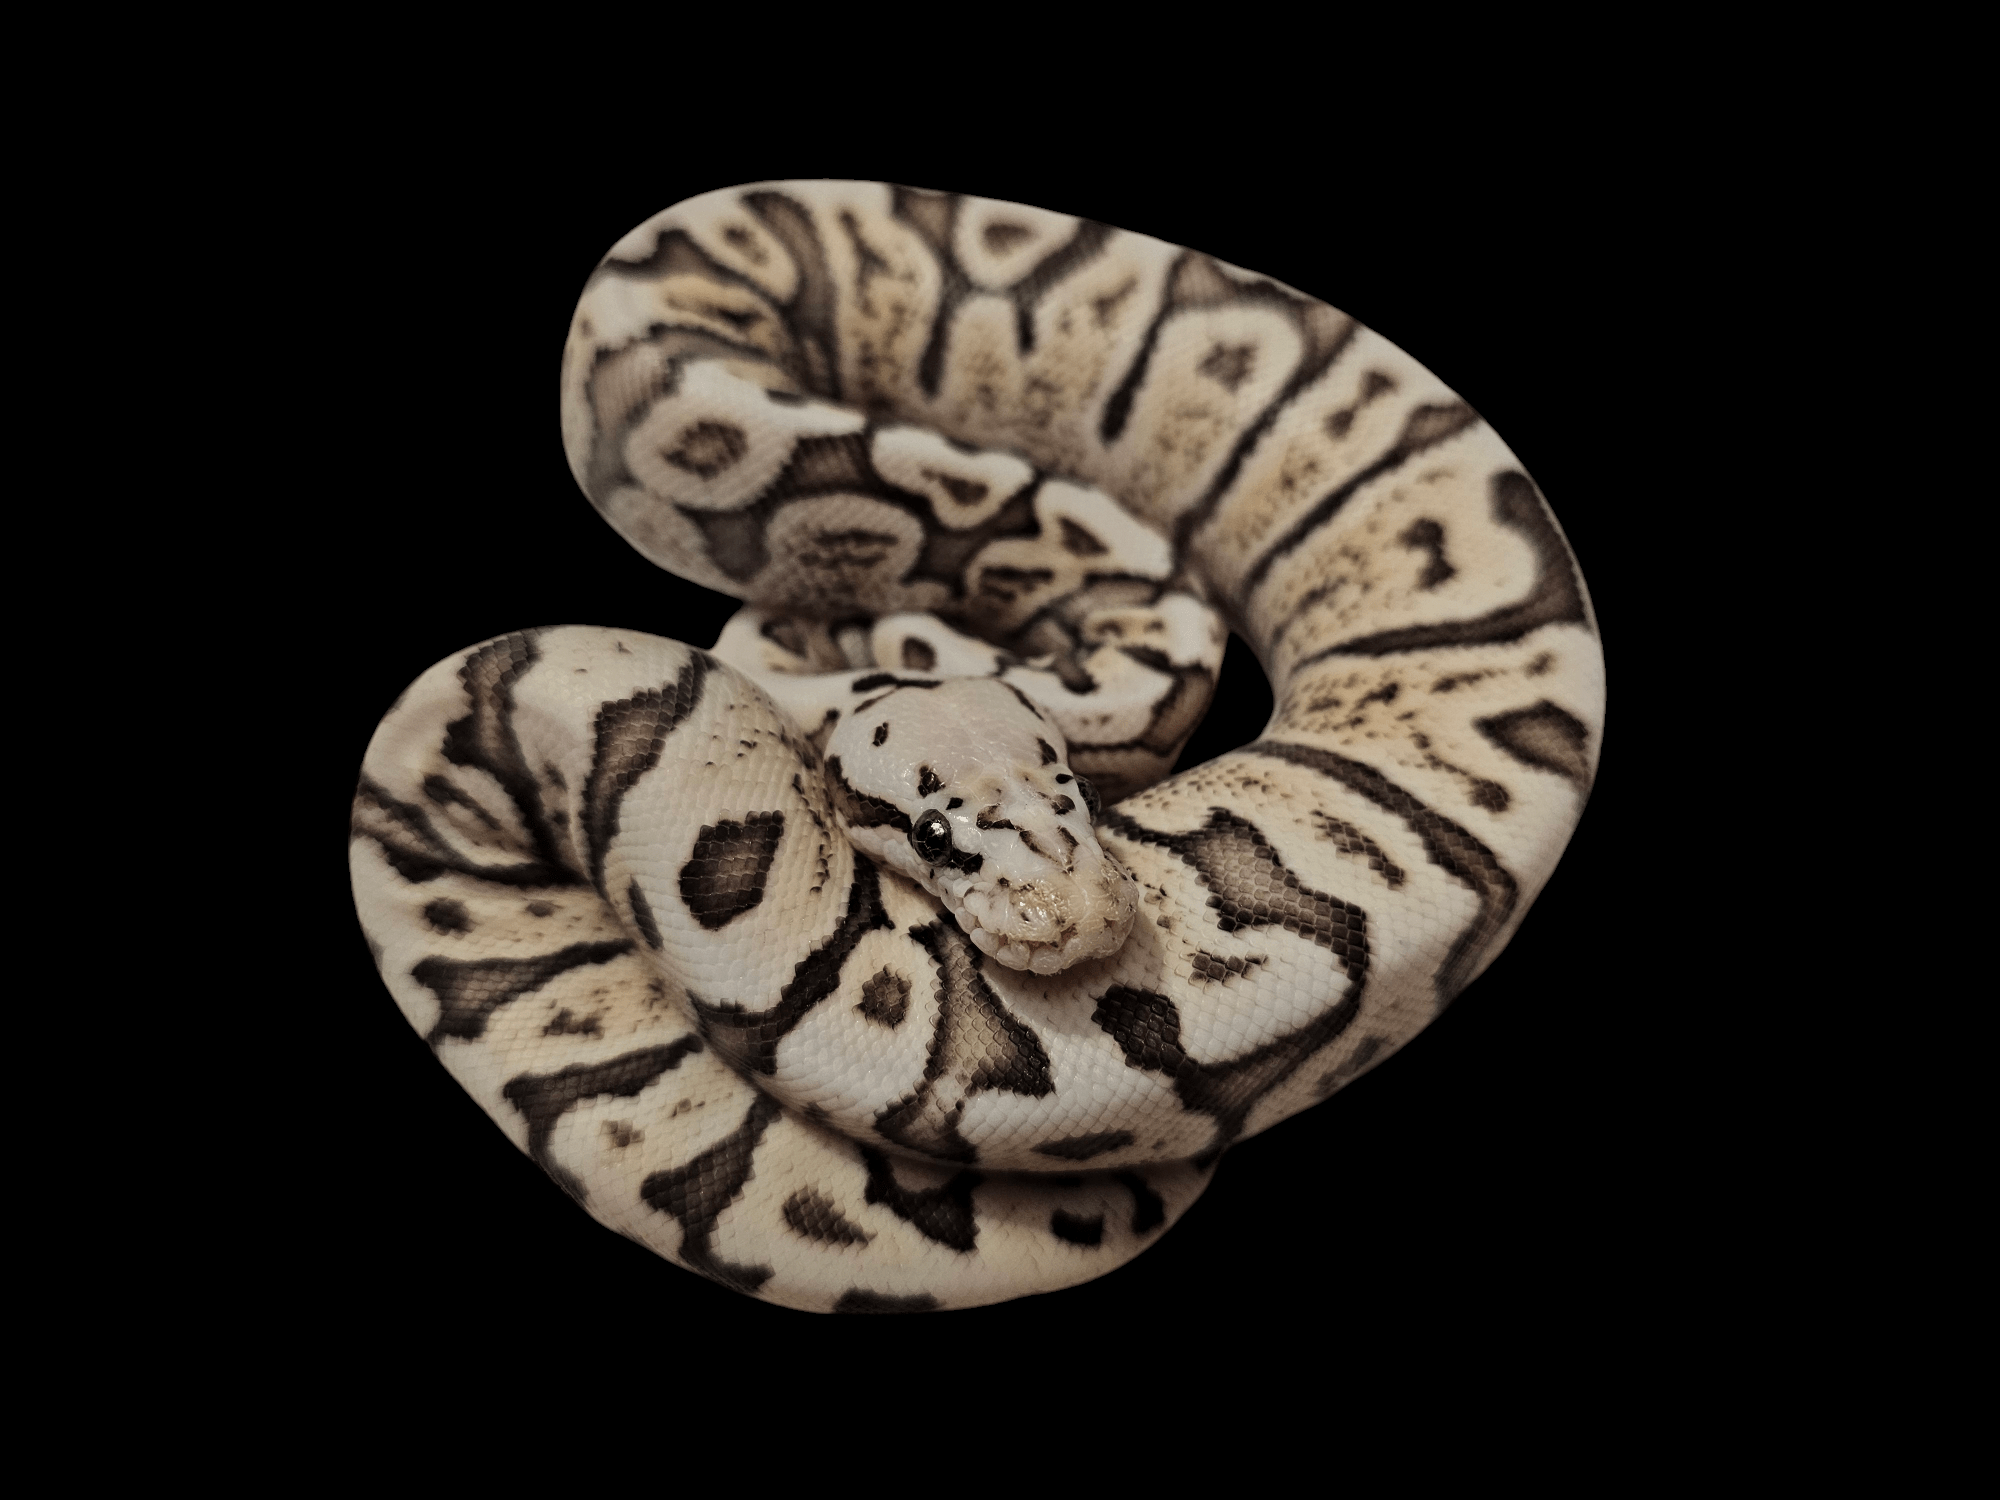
[(963, 787)]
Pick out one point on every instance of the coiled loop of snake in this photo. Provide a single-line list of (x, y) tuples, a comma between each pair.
[(928, 436)]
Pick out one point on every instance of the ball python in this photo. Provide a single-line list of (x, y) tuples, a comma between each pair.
[(870, 959)]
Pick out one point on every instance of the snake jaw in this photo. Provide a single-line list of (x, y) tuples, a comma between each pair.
[(1051, 923)]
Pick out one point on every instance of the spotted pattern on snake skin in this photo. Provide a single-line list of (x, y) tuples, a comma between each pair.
[(977, 1045), (470, 990), (544, 1098), (1085, 450), (749, 1039)]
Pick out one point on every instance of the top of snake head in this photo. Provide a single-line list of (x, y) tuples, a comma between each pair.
[(964, 787)]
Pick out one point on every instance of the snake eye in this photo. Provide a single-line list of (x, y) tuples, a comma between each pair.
[(1089, 794), (930, 836)]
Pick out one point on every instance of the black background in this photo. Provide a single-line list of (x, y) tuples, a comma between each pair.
[(1497, 1178)]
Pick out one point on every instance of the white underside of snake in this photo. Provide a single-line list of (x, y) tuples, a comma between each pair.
[(802, 960)]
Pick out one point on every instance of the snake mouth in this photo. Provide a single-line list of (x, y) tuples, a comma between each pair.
[(993, 918)]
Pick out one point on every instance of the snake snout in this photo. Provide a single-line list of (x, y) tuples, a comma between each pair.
[(1055, 920)]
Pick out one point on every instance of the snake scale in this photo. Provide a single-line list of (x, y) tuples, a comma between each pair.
[(871, 959)]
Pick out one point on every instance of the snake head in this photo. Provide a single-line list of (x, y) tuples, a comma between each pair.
[(964, 787)]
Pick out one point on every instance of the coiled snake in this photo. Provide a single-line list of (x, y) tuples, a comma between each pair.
[(866, 961)]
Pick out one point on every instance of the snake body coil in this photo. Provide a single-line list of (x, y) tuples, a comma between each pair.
[(993, 482)]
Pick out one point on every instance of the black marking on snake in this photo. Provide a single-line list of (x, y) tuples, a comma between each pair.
[(1348, 839), (1079, 542), (1049, 756), (625, 385), (962, 491), (947, 552), (941, 1214), (977, 1046), (1062, 805), (868, 262), (881, 733), (885, 999), (447, 915), (857, 1300), (786, 633), (697, 1192), (566, 1022), (706, 449), (444, 794), (1026, 702), (1543, 736), (1004, 585), (1147, 1027), (484, 739), (1341, 422), (918, 656), (813, 1216), (1076, 1229), (827, 464), (1196, 281), (934, 217), (734, 539), (1084, 1147), (840, 465), (1251, 888), (1000, 238), (1228, 365), (642, 915), (1424, 428), (967, 864), (1426, 535), (630, 735), (876, 680), (1085, 245), (1205, 967), (470, 990), (1175, 713), (748, 1040), (1149, 1209), (859, 808), (1446, 845), (542, 1099), (817, 465), (1363, 1054), (928, 781), (674, 253), (810, 314), (1555, 597)]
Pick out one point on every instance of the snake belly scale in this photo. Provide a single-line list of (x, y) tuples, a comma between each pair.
[(870, 959)]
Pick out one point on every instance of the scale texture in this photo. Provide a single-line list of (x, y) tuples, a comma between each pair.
[(924, 437)]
